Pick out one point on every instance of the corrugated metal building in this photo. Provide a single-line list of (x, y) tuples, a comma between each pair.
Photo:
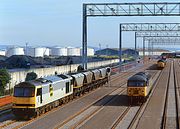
[(114, 52)]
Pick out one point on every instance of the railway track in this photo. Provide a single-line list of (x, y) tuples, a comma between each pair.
[(110, 116), (7, 110), (23, 123), (170, 118), (177, 91), (150, 116), (130, 116), (98, 109), (161, 109), (79, 120), (63, 125)]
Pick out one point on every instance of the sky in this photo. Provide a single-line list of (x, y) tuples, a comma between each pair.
[(59, 23)]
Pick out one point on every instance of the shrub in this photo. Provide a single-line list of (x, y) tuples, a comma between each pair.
[(4, 79), (31, 76)]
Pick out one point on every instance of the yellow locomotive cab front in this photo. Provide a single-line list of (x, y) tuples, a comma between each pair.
[(138, 87), (24, 101), (134, 91), (161, 63)]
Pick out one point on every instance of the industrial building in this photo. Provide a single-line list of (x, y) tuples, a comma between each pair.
[(155, 52), (114, 52), (131, 52)]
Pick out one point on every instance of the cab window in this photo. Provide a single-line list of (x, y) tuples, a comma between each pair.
[(24, 92), (67, 87), (134, 83), (39, 92)]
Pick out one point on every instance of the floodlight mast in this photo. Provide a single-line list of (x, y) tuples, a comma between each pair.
[(124, 9)]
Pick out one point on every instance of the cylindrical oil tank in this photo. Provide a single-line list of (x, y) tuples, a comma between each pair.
[(90, 52), (46, 51), (2, 52), (14, 51), (74, 51), (39, 52), (35, 51), (58, 51)]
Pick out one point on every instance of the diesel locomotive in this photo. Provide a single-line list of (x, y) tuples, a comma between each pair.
[(161, 64), (32, 98), (139, 87)]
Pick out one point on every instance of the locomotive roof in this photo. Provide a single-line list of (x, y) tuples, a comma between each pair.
[(137, 78), (144, 74), (25, 84), (63, 76), (45, 80), (53, 78)]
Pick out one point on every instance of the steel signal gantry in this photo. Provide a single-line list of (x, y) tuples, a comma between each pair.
[(132, 9), (157, 34), (164, 40), (124, 9), (144, 27)]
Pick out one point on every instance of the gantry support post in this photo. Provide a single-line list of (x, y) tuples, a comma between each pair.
[(143, 49), (135, 47), (84, 38), (120, 48)]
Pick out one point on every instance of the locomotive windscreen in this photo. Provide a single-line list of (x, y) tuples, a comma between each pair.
[(24, 91), (136, 83)]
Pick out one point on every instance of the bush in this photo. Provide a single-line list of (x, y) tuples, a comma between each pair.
[(4, 79), (31, 76)]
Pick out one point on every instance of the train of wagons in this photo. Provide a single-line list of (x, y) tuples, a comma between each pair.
[(33, 98), (139, 87)]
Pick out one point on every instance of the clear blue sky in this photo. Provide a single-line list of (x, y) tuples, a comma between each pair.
[(59, 22)]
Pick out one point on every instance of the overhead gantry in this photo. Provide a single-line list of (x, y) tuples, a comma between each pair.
[(145, 27), (149, 36), (124, 9)]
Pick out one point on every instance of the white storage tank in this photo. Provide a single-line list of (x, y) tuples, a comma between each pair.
[(14, 51), (35, 51), (58, 51), (90, 52), (74, 51), (46, 51), (2, 52)]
